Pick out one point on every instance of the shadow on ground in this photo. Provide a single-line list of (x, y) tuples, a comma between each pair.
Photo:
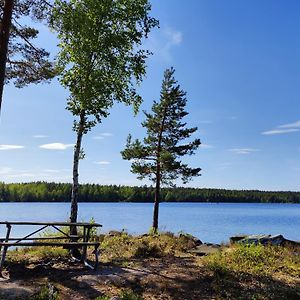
[(164, 278)]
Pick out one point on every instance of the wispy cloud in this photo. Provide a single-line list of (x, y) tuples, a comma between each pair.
[(106, 134), (283, 129), (174, 36), (102, 162), (102, 136), (280, 131), (243, 150), (21, 175), (40, 136), (5, 170), (291, 125), (51, 171), (206, 146), (162, 43), (11, 147), (56, 146)]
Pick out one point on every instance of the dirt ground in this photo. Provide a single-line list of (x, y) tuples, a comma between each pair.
[(165, 278)]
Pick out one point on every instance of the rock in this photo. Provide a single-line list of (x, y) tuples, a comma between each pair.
[(115, 233), (236, 238), (263, 239), (192, 238), (115, 298), (205, 249)]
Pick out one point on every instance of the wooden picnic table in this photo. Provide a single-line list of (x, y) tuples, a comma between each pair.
[(64, 240)]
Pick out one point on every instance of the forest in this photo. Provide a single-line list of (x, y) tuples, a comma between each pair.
[(61, 192)]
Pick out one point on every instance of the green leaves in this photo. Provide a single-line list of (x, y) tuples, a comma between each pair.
[(160, 152), (100, 52)]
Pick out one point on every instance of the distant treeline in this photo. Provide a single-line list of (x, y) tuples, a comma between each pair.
[(61, 192)]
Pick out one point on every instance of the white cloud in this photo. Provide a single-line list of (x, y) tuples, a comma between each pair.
[(5, 170), (102, 136), (174, 36), (283, 129), (56, 146), (39, 136), (21, 175), (103, 162), (162, 43), (291, 125), (51, 171), (243, 150), (106, 134), (280, 131), (206, 146), (10, 147)]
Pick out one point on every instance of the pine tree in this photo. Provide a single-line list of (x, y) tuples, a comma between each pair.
[(21, 60), (158, 156)]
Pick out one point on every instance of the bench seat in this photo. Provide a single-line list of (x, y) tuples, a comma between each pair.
[(36, 244)]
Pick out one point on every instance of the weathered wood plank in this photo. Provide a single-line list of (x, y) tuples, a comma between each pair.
[(37, 244), (52, 223)]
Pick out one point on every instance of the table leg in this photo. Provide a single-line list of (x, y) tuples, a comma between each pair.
[(86, 239), (8, 226)]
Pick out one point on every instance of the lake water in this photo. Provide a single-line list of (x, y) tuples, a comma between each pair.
[(211, 222)]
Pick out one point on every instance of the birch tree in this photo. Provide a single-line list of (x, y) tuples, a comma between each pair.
[(158, 156), (101, 61)]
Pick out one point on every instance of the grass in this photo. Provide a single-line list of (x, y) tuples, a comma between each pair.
[(125, 295), (123, 246), (256, 260), (234, 272), (47, 292), (255, 272)]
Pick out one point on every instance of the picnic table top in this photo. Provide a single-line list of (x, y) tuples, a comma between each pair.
[(52, 223)]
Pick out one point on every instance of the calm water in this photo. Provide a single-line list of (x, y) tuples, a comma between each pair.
[(211, 222)]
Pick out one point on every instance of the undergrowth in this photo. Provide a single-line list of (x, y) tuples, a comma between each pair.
[(256, 260), (124, 246), (255, 272)]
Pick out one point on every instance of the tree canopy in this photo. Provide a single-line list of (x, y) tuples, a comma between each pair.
[(159, 156), (21, 60), (101, 61)]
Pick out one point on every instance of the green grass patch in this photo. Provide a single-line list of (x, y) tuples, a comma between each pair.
[(256, 260)]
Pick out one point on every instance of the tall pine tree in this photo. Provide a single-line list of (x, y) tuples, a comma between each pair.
[(21, 60), (158, 156)]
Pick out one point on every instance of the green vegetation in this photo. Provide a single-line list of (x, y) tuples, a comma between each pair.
[(121, 246), (158, 156), (170, 270), (125, 295), (101, 62), (255, 260), (260, 269), (47, 292), (61, 192)]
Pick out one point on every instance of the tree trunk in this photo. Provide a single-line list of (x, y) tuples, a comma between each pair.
[(4, 38), (75, 185), (156, 199), (158, 174)]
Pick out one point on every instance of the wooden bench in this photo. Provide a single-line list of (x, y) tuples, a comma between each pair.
[(65, 240)]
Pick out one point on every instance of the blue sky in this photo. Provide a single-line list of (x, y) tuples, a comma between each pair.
[(239, 62)]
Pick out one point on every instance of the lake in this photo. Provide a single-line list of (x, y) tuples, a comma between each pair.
[(211, 222)]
